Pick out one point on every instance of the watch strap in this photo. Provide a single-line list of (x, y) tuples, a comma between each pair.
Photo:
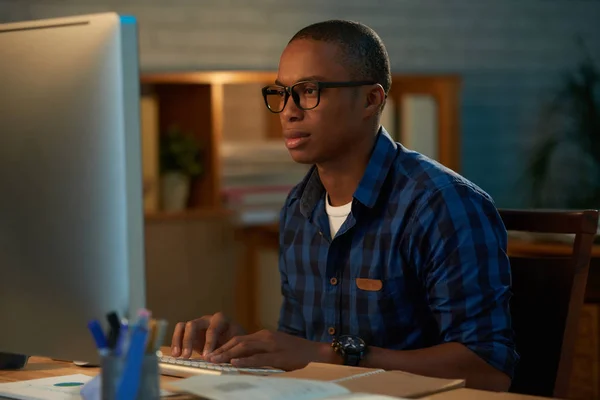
[(352, 360)]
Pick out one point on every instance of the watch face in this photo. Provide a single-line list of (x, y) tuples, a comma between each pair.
[(352, 344)]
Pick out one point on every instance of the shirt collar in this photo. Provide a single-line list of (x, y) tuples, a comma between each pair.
[(369, 187)]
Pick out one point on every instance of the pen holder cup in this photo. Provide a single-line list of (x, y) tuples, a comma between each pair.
[(112, 370)]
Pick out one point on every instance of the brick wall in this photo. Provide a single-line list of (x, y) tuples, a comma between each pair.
[(508, 51)]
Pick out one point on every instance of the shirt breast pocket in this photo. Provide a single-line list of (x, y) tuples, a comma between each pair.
[(389, 312), (376, 308), (376, 295)]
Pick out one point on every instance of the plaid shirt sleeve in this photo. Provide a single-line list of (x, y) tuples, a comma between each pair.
[(458, 244), (290, 318)]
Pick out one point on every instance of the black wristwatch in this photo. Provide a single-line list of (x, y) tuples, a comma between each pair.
[(352, 349)]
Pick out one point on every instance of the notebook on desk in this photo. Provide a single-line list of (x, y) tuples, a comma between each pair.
[(375, 381)]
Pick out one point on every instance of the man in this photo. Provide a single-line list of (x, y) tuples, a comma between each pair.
[(397, 261)]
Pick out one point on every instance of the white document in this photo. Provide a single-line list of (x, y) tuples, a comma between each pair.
[(55, 388), (67, 387), (234, 387)]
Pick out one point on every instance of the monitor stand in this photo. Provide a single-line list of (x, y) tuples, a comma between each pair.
[(12, 361)]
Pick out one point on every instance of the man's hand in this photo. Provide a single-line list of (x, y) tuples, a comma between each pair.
[(273, 349), (203, 335)]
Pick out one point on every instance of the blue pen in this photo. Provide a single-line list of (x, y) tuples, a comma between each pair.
[(98, 334), (128, 386)]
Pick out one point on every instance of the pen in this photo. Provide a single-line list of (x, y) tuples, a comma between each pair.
[(151, 335), (98, 335), (129, 382), (161, 331), (115, 326)]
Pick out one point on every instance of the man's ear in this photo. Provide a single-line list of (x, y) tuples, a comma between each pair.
[(374, 99)]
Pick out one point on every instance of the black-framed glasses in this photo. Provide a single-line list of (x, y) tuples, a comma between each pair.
[(306, 94)]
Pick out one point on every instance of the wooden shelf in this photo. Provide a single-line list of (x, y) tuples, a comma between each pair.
[(209, 77), (445, 90), (194, 101)]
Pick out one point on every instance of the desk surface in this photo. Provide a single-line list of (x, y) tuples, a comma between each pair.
[(40, 367), (471, 394)]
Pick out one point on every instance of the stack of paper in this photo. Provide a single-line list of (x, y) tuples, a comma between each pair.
[(234, 387), (317, 382)]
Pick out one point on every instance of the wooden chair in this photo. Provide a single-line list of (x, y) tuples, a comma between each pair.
[(548, 294)]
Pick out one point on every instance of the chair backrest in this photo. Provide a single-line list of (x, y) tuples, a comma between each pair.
[(548, 294)]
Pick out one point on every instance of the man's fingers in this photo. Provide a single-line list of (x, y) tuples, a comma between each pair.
[(176, 341), (188, 339), (199, 341), (257, 361), (192, 332), (201, 335), (244, 348), (234, 341), (231, 343), (218, 325)]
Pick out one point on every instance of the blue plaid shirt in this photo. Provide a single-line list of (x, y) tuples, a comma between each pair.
[(434, 240)]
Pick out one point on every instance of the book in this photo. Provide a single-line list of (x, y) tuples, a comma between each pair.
[(150, 151), (376, 381), (318, 381)]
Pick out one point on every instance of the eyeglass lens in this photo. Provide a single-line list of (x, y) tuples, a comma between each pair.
[(305, 95)]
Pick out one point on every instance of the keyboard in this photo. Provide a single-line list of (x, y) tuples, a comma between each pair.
[(185, 367)]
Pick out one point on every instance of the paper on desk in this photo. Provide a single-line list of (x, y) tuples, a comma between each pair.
[(67, 387), (364, 396), (93, 390), (55, 388), (230, 387)]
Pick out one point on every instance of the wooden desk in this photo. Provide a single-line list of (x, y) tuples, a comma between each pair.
[(42, 367), (472, 394)]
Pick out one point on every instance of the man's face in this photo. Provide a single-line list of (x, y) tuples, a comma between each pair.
[(322, 134)]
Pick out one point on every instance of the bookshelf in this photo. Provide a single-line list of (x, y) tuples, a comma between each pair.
[(194, 101), (197, 103)]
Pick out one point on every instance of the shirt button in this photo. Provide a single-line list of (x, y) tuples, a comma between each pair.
[(331, 330), (333, 281)]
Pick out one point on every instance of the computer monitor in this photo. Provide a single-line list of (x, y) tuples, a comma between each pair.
[(71, 208)]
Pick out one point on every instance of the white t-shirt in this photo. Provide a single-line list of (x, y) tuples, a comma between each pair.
[(337, 215)]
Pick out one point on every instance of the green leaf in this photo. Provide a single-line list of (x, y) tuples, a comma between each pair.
[(180, 152)]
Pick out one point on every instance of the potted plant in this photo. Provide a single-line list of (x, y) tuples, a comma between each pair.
[(180, 162), (564, 170)]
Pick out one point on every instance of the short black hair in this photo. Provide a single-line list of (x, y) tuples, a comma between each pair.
[(361, 48)]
